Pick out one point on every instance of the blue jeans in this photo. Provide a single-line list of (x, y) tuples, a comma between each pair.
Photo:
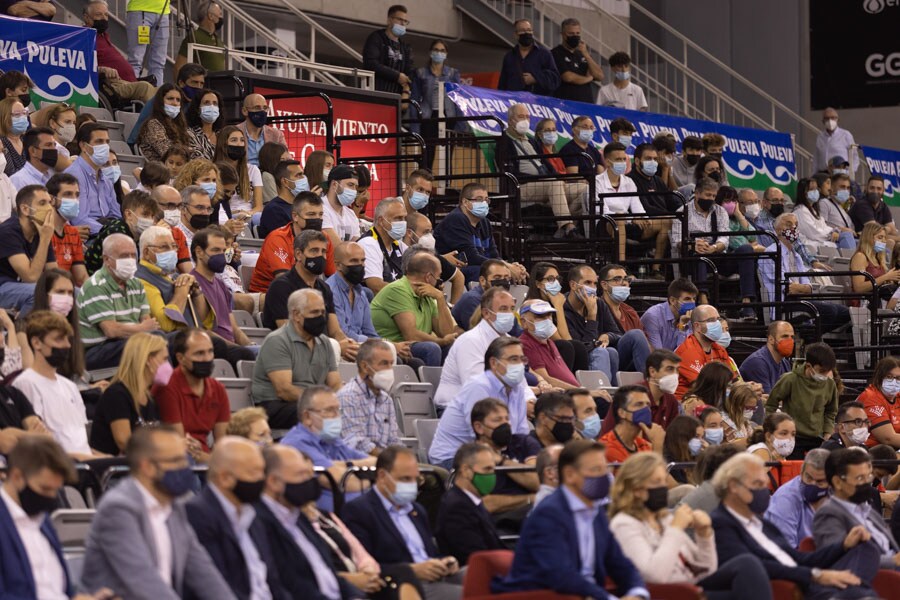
[(606, 360), (18, 295), (428, 352), (158, 46), (831, 315), (633, 349), (846, 240)]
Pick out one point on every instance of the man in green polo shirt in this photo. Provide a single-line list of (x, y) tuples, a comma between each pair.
[(413, 309), (209, 23)]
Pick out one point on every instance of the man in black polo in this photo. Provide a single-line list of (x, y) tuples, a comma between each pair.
[(577, 69), (644, 175)]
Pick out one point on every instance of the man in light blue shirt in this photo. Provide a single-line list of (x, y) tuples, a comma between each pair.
[(40, 148), (351, 298), (97, 199), (504, 379), (794, 504)]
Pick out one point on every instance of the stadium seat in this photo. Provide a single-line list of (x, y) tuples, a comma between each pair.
[(786, 590), (128, 121), (238, 390), (243, 318), (99, 113), (669, 591), (256, 334), (887, 583), (430, 375), (629, 377), (592, 380), (484, 566), (424, 431), (412, 401), (120, 148), (222, 368), (347, 371), (404, 374), (246, 275), (72, 526), (245, 368), (807, 544)]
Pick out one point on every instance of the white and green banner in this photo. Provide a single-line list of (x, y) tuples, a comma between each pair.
[(887, 164)]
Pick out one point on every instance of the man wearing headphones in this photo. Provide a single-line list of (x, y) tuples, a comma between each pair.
[(209, 19)]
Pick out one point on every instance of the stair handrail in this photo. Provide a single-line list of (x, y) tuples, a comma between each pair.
[(322, 30)]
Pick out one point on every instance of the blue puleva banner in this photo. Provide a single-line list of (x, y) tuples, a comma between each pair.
[(60, 59), (887, 164), (754, 158)]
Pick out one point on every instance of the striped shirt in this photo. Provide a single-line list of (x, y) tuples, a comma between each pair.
[(68, 248), (369, 421), (101, 299)]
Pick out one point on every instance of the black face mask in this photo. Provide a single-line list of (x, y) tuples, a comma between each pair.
[(874, 199), (235, 152), (35, 504), (705, 205), (862, 494), (220, 24), (313, 225), (314, 326), (101, 26), (502, 435), (298, 494), (776, 209), (199, 221), (248, 491), (201, 368), (715, 175), (315, 265), (526, 39), (692, 159), (49, 156), (504, 283), (25, 99), (714, 154), (354, 274), (57, 357), (572, 41), (657, 498), (563, 432)]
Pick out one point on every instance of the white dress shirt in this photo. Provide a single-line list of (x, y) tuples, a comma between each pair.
[(46, 570), (240, 523), (158, 515), (755, 528)]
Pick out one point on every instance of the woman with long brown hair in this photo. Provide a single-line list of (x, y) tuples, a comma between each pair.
[(247, 201), (166, 125)]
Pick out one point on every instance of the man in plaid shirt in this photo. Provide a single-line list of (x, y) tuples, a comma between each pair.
[(369, 422)]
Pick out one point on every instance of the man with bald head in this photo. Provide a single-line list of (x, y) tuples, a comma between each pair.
[(112, 305), (168, 204), (351, 298), (769, 363), (701, 347), (256, 112), (225, 521)]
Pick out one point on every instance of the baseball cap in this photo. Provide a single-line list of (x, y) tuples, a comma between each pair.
[(341, 172), (539, 308), (838, 161)]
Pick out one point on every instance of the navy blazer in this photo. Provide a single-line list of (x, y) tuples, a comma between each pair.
[(16, 578), (297, 575), (732, 540), (547, 555), (372, 525), (214, 530), (463, 527)]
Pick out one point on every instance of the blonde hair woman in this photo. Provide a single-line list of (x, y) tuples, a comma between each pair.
[(871, 257), (737, 410), (251, 423), (657, 542), (127, 404)]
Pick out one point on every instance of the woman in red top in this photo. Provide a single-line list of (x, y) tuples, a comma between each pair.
[(880, 402)]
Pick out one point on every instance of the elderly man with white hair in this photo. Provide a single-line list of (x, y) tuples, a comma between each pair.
[(294, 357), (112, 305)]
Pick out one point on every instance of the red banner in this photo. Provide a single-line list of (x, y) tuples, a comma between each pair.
[(351, 117)]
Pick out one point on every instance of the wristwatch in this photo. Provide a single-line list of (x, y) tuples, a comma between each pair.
[(816, 573)]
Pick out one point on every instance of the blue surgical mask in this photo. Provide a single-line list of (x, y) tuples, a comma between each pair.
[(514, 375), (890, 388), (714, 331), (209, 114), (553, 287), (19, 125), (398, 230), (619, 167), (625, 140), (418, 200), (695, 446), (623, 75), (438, 58), (686, 307), (406, 492), (544, 330), (585, 135), (504, 323), (620, 293), (643, 416), (714, 435), (347, 196), (812, 195), (725, 339), (210, 188), (588, 290), (649, 167), (880, 247), (111, 173), (842, 195), (480, 209), (68, 208), (100, 154), (398, 30), (549, 138), (172, 111), (178, 482), (301, 185), (591, 427), (331, 429), (167, 261)]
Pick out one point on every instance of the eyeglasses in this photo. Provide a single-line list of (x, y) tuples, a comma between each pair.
[(481, 199), (551, 279), (558, 419), (858, 422), (891, 378), (711, 320), (620, 280), (861, 479)]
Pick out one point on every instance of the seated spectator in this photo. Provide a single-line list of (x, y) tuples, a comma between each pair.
[(851, 427), (873, 208), (738, 410), (414, 309), (33, 564), (503, 378), (711, 419), (39, 148), (419, 232), (684, 442), (740, 531), (547, 472), (545, 141), (574, 157), (771, 206), (709, 389), (175, 160), (192, 401), (303, 557), (223, 518), (795, 502), (270, 155), (543, 357), (255, 110), (774, 442), (885, 482), (809, 394), (55, 399), (514, 144), (645, 178), (668, 324), (417, 191), (700, 347), (127, 403), (165, 126), (661, 380), (196, 208), (832, 208), (340, 223), (767, 364), (13, 123), (466, 356), (731, 200), (464, 524), (683, 166), (278, 210), (112, 66), (158, 557), (246, 202), (552, 535), (209, 18), (204, 120), (153, 175), (369, 422), (634, 430), (97, 198), (871, 256), (318, 166), (586, 415), (493, 273), (296, 356), (879, 400), (18, 420), (554, 419), (466, 230), (139, 210), (665, 145), (252, 302), (621, 92), (277, 253), (659, 545), (251, 423), (831, 314), (383, 244), (618, 319), (703, 497), (812, 225), (351, 299), (27, 249)]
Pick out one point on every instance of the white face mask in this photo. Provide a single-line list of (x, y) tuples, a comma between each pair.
[(172, 217), (859, 435), (669, 383), (427, 241), (125, 268), (384, 380), (522, 127), (2, 162), (830, 124), (748, 414), (751, 211), (783, 446)]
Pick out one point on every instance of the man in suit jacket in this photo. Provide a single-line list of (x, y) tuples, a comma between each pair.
[(141, 544), (849, 473), (394, 528), (464, 525), (566, 545), (226, 524), (301, 558), (742, 485)]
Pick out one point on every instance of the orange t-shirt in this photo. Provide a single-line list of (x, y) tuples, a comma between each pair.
[(184, 253), (693, 358), (68, 248), (616, 452), (277, 254), (880, 411)]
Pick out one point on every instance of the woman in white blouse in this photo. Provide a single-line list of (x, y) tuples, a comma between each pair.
[(814, 230), (657, 542)]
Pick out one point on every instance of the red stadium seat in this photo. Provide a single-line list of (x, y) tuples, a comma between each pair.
[(788, 470), (667, 591), (887, 583), (786, 590), (484, 566), (807, 545)]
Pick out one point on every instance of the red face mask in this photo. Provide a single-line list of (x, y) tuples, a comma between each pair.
[(785, 347)]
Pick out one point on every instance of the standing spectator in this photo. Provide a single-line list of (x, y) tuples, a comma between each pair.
[(769, 363), (205, 119), (427, 88), (622, 92), (39, 10), (880, 402), (795, 503), (40, 148), (529, 66), (833, 141), (147, 28), (68, 246), (26, 250), (668, 324), (210, 20), (256, 113), (247, 200), (389, 56), (684, 165), (13, 124), (97, 199), (112, 67), (291, 182), (577, 68)]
